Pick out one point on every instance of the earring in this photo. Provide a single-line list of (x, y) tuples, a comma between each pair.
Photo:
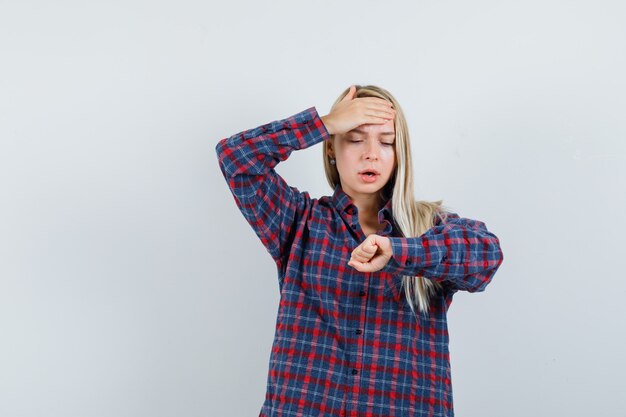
[(332, 161)]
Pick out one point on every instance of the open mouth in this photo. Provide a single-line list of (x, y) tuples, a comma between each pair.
[(369, 172), (369, 175)]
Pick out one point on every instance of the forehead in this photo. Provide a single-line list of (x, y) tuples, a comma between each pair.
[(375, 129)]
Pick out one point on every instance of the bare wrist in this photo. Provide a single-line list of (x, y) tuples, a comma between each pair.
[(328, 125)]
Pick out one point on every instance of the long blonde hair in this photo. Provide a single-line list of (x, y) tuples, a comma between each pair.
[(412, 217)]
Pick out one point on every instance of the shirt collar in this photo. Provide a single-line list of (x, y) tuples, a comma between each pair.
[(343, 203), (341, 200)]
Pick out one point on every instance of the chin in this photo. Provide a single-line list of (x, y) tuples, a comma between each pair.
[(368, 188)]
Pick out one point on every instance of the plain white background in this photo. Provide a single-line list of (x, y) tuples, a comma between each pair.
[(130, 284)]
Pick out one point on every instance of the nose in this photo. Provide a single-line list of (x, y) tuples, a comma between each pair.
[(371, 152)]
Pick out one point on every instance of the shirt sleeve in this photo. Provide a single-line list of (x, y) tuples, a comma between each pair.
[(460, 253), (247, 160)]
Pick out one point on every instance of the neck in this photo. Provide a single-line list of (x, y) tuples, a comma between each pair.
[(367, 204)]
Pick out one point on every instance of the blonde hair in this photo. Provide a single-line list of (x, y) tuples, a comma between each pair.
[(412, 217)]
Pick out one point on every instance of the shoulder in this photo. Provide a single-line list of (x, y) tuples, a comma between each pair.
[(315, 206), (434, 211), (323, 209), (324, 204), (325, 201)]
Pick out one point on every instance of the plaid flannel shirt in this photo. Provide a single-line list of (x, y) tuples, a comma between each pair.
[(346, 342)]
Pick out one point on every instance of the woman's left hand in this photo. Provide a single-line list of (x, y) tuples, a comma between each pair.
[(371, 255)]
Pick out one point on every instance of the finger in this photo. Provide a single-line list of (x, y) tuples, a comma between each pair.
[(365, 251), (381, 114), (377, 120), (369, 247), (375, 103), (353, 265), (359, 266), (376, 100), (360, 256), (379, 111), (350, 94)]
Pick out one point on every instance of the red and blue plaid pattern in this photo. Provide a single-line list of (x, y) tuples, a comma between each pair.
[(347, 342)]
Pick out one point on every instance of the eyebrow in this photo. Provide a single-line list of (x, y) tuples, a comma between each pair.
[(357, 130)]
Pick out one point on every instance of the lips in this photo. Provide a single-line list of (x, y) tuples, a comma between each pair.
[(369, 175), (369, 171)]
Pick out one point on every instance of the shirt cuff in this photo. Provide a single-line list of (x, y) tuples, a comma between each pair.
[(307, 126), (409, 256)]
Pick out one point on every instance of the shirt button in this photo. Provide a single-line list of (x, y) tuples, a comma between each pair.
[(361, 293), (355, 371), (358, 331)]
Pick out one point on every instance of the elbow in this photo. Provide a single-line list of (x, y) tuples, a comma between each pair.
[(493, 255), (222, 151), (495, 260), (479, 282), (498, 255)]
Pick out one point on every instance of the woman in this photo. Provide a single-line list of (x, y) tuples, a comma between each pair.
[(346, 342)]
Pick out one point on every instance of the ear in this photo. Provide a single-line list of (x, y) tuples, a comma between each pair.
[(329, 149)]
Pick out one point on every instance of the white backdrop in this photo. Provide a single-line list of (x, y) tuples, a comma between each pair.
[(130, 284)]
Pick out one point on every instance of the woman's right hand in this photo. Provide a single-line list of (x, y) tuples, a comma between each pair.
[(352, 112)]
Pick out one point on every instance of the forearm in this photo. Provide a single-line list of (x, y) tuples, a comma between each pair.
[(256, 151), (462, 252)]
